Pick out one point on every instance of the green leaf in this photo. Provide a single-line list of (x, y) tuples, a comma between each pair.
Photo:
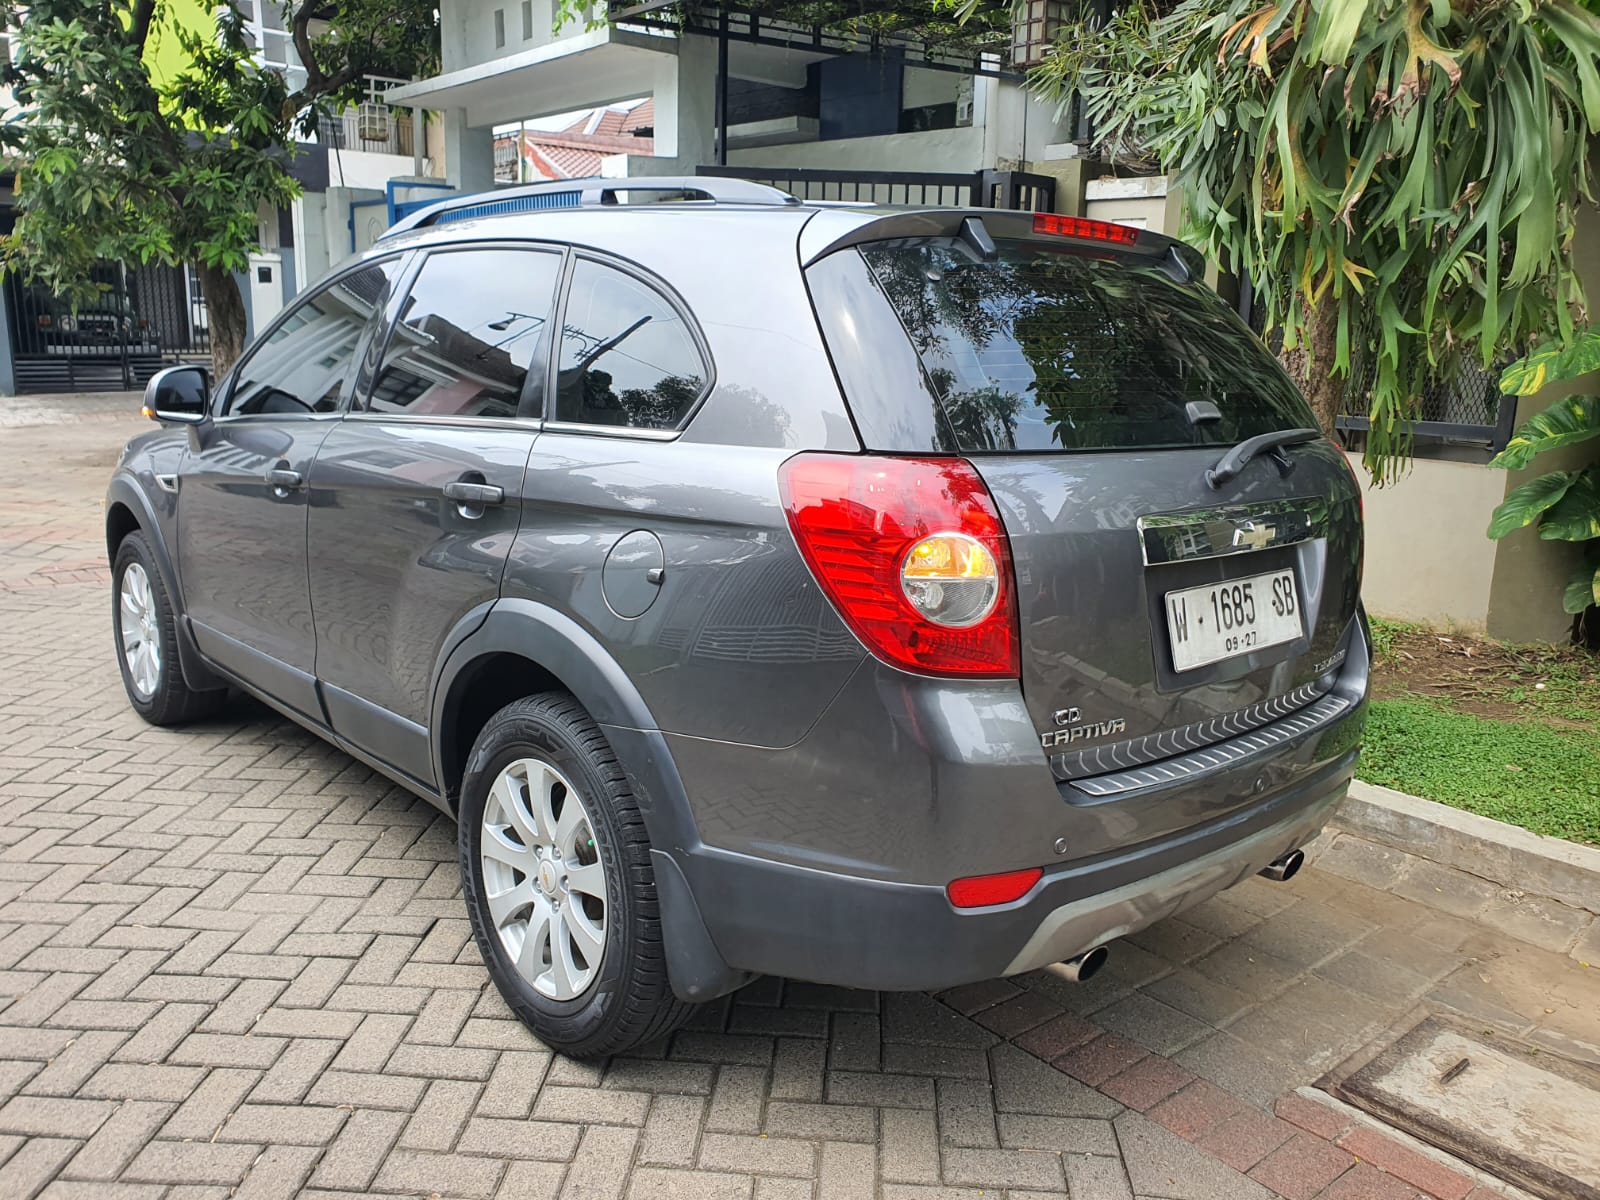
[(1575, 517), (1553, 362), (1524, 505), (1565, 423), (1580, 31), (1583, 589), (1338, 22)]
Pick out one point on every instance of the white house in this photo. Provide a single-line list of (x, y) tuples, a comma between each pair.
[(788, 95)]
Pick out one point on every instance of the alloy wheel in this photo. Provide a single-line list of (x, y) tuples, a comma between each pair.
[(544, 881), (141, 636)]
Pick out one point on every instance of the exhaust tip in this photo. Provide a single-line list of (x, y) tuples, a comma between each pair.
[(1286, 868), (1082, 968)]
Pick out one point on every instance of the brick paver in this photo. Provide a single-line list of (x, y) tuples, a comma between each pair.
[(233, 959)]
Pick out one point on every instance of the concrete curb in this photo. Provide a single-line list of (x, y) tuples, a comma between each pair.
[(1505, 855)]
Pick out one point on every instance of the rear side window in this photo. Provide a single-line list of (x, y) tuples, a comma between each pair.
[(1050, 348), (471, 329), (627, 358)]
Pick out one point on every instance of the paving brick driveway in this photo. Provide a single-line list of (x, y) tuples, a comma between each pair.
[(234, 962)]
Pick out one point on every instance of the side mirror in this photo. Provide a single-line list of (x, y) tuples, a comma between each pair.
[(179, 395)]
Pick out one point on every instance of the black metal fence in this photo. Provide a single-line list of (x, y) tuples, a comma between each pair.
[(145, 317), (976, 189), (1460, 403)]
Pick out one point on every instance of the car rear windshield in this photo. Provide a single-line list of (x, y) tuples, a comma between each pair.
[(1071, 348)]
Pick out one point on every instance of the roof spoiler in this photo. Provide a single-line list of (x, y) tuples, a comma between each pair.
[(834, 230)]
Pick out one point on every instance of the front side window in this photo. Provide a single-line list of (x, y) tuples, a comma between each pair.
[(627, 358), (468, 334), (301, 368)]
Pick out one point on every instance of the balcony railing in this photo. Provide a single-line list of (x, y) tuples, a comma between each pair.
[(374, 128)]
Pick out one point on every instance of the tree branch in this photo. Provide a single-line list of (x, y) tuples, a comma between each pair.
[(319, 87), (318, 83), (139, 29), (300, 28)]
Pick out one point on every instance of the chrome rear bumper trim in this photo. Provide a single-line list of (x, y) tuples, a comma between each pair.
[(1151, 747), (1219, 756)]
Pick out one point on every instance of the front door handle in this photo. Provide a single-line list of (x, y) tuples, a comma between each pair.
[(284, 481), (475, 495)]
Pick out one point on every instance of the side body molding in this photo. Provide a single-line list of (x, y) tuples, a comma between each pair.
[(574, 657)]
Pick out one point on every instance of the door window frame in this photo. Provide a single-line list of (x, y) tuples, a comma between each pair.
[(535, 387), (378, 322), (668, 296)]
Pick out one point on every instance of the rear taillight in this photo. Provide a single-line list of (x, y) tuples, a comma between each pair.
[(1057, 225), (912, 553)]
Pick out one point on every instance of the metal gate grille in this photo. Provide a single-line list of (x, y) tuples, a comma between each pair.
[(146, 317), (976, 189)]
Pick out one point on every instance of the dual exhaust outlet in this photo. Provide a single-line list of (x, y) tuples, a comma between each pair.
[(1087, 964)]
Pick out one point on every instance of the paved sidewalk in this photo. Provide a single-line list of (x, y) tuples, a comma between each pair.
[(234, 962)]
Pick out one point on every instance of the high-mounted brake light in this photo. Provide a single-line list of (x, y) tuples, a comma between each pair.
[(1081, 227), (913, 555), (980, 891)]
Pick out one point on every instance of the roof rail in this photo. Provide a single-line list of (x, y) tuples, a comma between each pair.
[(583, 193)]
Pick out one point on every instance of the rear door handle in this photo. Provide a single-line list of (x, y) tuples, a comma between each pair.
[(476, 494), (285, 480)]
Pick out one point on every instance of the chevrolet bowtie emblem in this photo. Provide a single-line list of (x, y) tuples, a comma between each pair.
[(1258, 535)]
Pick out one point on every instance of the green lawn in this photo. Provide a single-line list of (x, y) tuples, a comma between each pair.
[(1525, 772), (1510, 732)]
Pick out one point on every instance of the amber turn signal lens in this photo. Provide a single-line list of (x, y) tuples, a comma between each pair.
[(951, 579)]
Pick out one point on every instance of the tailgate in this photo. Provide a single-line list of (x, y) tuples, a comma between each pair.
[(1100, 545), (1095, 383)]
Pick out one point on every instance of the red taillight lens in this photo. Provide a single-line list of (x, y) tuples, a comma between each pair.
[(912, 553), (1081, 227), (978, 891)]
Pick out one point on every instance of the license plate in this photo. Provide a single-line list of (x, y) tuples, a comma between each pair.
[(1221, 620)]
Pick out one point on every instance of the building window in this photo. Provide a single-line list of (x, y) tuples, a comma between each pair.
[(499, 28), (527, 19)]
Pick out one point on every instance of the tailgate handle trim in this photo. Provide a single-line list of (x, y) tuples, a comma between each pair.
[(1230, 529)]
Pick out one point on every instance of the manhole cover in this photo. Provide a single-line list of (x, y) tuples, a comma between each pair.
[(1525, 1114)]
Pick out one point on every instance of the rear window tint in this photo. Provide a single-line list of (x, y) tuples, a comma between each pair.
[(1059, 349)]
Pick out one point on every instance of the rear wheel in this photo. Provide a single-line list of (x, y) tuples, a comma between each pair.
[(145, 626), (555, 867)]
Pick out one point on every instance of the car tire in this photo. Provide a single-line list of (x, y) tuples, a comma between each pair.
[(554, 875), (144, 626)]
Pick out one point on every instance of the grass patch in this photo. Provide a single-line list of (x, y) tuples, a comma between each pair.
[(1510, 732), (1385, 635), (1530, 773)]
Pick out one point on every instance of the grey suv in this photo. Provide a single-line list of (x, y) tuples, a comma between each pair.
[(877, 597)]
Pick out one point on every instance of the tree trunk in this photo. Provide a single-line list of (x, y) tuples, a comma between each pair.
[(1311, 366), (225, 317)]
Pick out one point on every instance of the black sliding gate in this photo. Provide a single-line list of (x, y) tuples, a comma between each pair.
[(973, 189), (145, 318)]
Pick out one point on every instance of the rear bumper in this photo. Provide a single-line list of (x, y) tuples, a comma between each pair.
[(776, 918), (828, 860)]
